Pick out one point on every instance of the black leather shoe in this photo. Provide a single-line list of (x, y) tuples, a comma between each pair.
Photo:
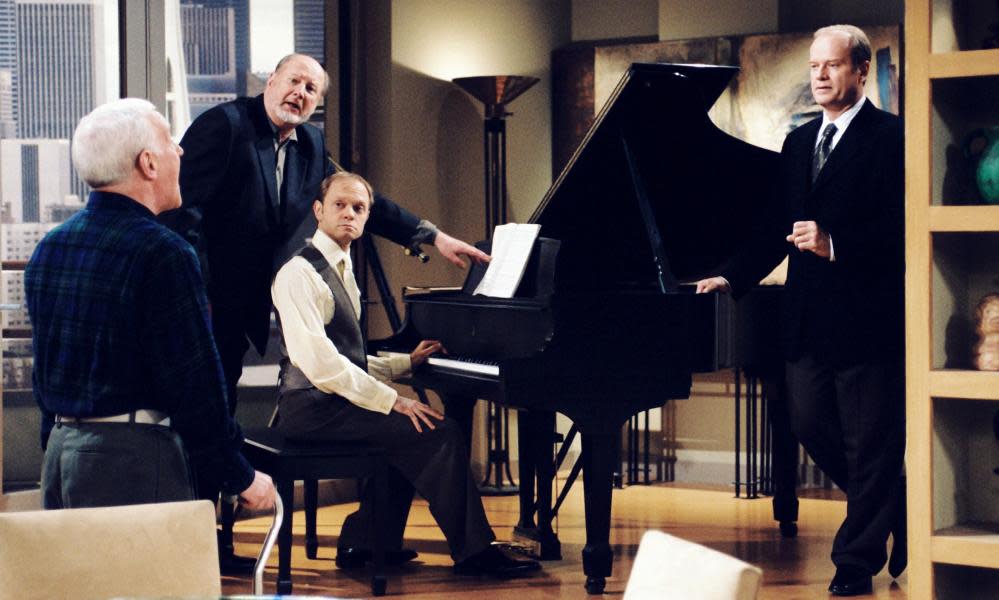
[(356, 558), (851, 581), (494, 563), (236, 566)]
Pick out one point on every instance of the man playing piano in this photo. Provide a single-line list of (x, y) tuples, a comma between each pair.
[(841, 197), (330, 390)]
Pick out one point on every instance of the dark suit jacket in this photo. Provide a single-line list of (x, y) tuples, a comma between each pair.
[(852, 309), (233, 214)]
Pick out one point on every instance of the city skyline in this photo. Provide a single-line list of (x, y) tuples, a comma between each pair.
[(59, 59)]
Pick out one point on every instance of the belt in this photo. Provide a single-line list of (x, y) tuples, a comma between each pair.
[(144, 416)]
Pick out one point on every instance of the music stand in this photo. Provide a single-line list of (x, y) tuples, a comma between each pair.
[(495, 92)]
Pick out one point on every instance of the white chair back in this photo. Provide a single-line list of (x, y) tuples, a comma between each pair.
[(143, 550), (668, 567)]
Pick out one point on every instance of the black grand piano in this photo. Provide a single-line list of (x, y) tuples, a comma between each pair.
[(603, 325)]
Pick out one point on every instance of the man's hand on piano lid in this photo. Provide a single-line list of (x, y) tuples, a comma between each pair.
[(807, 236), (417, 412), (454, 249), (713, 284), (423, 351)]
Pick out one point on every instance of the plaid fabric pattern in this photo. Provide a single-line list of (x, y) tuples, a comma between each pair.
[(121, 322)]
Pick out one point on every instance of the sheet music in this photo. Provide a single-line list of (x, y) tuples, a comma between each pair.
[(511, 248)]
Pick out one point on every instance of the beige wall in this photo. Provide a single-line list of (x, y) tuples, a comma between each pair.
[(807, 15), (424, 135), (610, 19), (679, 19)]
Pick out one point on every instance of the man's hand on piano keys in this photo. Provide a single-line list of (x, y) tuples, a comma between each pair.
[(423, 351), (713, 284), (417, 412), (454, 249)]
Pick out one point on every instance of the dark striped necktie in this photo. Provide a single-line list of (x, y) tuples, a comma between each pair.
[(822, 151)]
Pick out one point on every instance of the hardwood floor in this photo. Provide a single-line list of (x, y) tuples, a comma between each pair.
[(792, 569)]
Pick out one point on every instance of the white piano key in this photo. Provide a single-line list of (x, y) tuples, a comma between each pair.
[(461, 365)]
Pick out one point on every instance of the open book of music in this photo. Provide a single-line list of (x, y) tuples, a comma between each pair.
[(511, 248)]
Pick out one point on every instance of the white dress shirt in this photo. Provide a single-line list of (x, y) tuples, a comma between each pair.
[(305, 304), (842, 122)]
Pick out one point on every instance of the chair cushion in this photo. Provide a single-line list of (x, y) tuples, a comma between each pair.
[(273, 441)]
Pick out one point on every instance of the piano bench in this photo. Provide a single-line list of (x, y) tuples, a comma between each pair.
[(288, 461)]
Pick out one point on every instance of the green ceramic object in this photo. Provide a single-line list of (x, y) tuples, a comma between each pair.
[(983, 146)]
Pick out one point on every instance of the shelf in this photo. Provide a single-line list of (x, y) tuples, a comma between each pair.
[(960, 105), (964, 218), (963, 272), (960, 384), (971, 545), (952, 247), (970, 63)]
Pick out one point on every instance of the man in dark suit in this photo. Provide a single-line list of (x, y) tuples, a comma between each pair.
[(841, 197), (250, 171)]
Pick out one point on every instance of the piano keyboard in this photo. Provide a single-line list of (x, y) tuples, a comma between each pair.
[(465, 365)]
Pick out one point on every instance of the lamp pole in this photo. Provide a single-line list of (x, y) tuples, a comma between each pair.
[(495, 92)]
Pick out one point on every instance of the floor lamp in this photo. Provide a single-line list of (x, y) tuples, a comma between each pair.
[(495, 92)]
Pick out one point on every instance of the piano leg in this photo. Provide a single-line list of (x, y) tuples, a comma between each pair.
[(599, 454), (535, 431)]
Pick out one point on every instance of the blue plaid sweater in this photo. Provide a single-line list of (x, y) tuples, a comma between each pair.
[(120, 322)]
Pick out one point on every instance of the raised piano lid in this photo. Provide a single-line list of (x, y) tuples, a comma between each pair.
[(705, 187)]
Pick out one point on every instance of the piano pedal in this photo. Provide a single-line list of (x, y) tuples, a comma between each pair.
[(526, 542), (522, 548), (536, 545)]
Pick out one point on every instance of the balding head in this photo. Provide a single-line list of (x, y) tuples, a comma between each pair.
[(293, 91)]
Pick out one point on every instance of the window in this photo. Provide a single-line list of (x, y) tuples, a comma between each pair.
[(218, 50), (58, 60)]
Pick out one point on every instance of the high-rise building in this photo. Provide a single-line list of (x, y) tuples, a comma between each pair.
[(209, 48), (310, 31), (60, 67), (239, 32), (35, 178), (208, 31), (8, 69), (8, 124), (35, 182)]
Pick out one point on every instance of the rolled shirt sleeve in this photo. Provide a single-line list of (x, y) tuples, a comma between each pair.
[(389, 366)]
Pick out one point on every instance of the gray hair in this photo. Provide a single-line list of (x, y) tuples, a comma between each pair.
[(108, 140), (860, 46)]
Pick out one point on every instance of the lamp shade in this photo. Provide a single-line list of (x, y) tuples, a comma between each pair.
[(495, 91)]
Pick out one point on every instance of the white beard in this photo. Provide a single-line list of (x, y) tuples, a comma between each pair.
[(290, 117)]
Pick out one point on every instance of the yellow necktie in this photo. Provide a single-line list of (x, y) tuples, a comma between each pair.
[(350, 284)]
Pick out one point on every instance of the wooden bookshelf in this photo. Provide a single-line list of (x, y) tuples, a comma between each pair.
[(951, 245)]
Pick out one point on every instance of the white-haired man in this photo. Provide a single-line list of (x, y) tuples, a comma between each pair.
[(125, 368), (841, 195)]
